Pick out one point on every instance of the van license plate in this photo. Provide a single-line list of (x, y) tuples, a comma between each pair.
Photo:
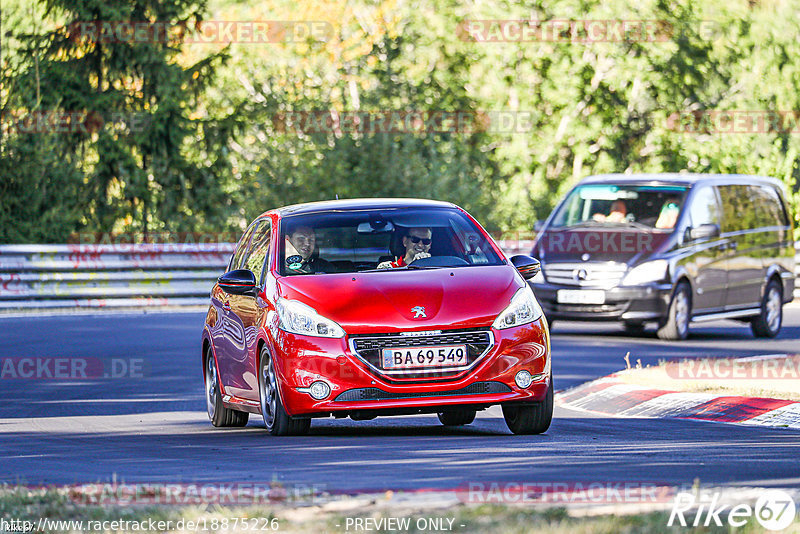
[(581, 296)]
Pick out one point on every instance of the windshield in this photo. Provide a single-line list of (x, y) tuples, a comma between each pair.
[(381, 240), (641, 206)]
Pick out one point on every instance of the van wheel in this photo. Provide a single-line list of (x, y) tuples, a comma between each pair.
[(461, 416), (532, 418), (768, 322), (676, 326), (218, 414), (633, 328), (276, 419)]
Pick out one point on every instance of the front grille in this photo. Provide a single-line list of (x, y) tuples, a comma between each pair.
[(368, 348), (371, 394), (589, 274)]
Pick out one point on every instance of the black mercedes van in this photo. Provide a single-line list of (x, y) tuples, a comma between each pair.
[(669, 249)]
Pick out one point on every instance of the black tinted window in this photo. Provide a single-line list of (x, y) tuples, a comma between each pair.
[(768, 205), (738, 210)]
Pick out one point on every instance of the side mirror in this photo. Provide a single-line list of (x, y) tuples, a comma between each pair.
[(528, 267), (704, 231), (238, 282)]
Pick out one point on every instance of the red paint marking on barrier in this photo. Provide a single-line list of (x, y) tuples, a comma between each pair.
[(736, 409), (581, 391), (632, 398)]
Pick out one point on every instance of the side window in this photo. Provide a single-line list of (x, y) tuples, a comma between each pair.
[(704, 208), (241, 248), (259, 250), (769, 206), (738, 211)]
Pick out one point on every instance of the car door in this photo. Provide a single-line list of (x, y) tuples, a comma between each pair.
[(741, 227), (226, 336), (220, 301), (706, 262), (244, 315)]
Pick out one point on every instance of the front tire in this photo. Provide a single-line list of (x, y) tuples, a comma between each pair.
[(459, 417), (219, 415), (768, 322), (276, 419), (679, 314), (530, 418)]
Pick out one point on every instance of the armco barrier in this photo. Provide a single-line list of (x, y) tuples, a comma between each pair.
[(126, 275), (113, 275)]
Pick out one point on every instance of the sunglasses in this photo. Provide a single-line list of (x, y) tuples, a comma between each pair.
[(425, 241)]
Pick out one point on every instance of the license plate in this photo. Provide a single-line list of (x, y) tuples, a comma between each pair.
[(581, 296), (417, 357)]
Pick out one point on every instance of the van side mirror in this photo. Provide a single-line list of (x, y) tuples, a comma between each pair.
[(528, 267), (238, 282), (704, 231)]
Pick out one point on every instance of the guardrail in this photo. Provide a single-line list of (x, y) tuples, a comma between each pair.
[(127, 275), (104, 276)]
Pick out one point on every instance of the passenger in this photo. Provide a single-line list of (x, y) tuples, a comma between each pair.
[(619, 213), (417, 243), (669, 214), (301, 243)]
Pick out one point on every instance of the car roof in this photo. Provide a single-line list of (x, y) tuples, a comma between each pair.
[(674, 178), (360, 204)]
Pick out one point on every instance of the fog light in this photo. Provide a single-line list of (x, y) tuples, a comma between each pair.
[(319, 390), (523, 379)]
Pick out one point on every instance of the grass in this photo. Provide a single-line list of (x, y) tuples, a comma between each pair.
[(775, 378), (23, 503)]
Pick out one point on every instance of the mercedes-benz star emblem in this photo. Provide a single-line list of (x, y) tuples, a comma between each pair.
[(419, 311), (581, 274)]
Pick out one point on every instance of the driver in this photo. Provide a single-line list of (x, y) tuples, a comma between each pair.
[(619, 213), (300, 247), (417, 243)]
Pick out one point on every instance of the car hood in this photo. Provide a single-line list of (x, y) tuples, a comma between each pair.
[(389, 301), (628, 245)]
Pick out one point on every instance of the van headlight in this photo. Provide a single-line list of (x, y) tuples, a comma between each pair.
[(651, 271), (523, 309), (298, 318)]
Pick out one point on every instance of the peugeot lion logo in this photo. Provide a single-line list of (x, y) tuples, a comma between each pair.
[(419, 311)]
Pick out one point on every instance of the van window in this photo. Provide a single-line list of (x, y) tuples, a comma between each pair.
[(768, 206), (738, 211), (704, 208)]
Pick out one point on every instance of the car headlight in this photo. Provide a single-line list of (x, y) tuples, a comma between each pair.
[(299, 318), (523, 309), (651, 271)]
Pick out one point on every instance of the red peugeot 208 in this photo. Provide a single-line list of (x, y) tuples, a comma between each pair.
[(372, 307)]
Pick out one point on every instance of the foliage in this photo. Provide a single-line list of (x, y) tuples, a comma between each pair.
[(213, 153)]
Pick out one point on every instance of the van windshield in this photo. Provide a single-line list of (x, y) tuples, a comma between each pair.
[(643, 206)]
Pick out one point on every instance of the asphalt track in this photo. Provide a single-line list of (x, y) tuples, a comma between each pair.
[(154, 428)]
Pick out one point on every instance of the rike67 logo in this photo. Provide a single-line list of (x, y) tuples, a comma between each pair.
[(774, 510)]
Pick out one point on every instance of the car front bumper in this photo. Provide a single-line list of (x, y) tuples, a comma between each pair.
[(648, 302), (357, 389)]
